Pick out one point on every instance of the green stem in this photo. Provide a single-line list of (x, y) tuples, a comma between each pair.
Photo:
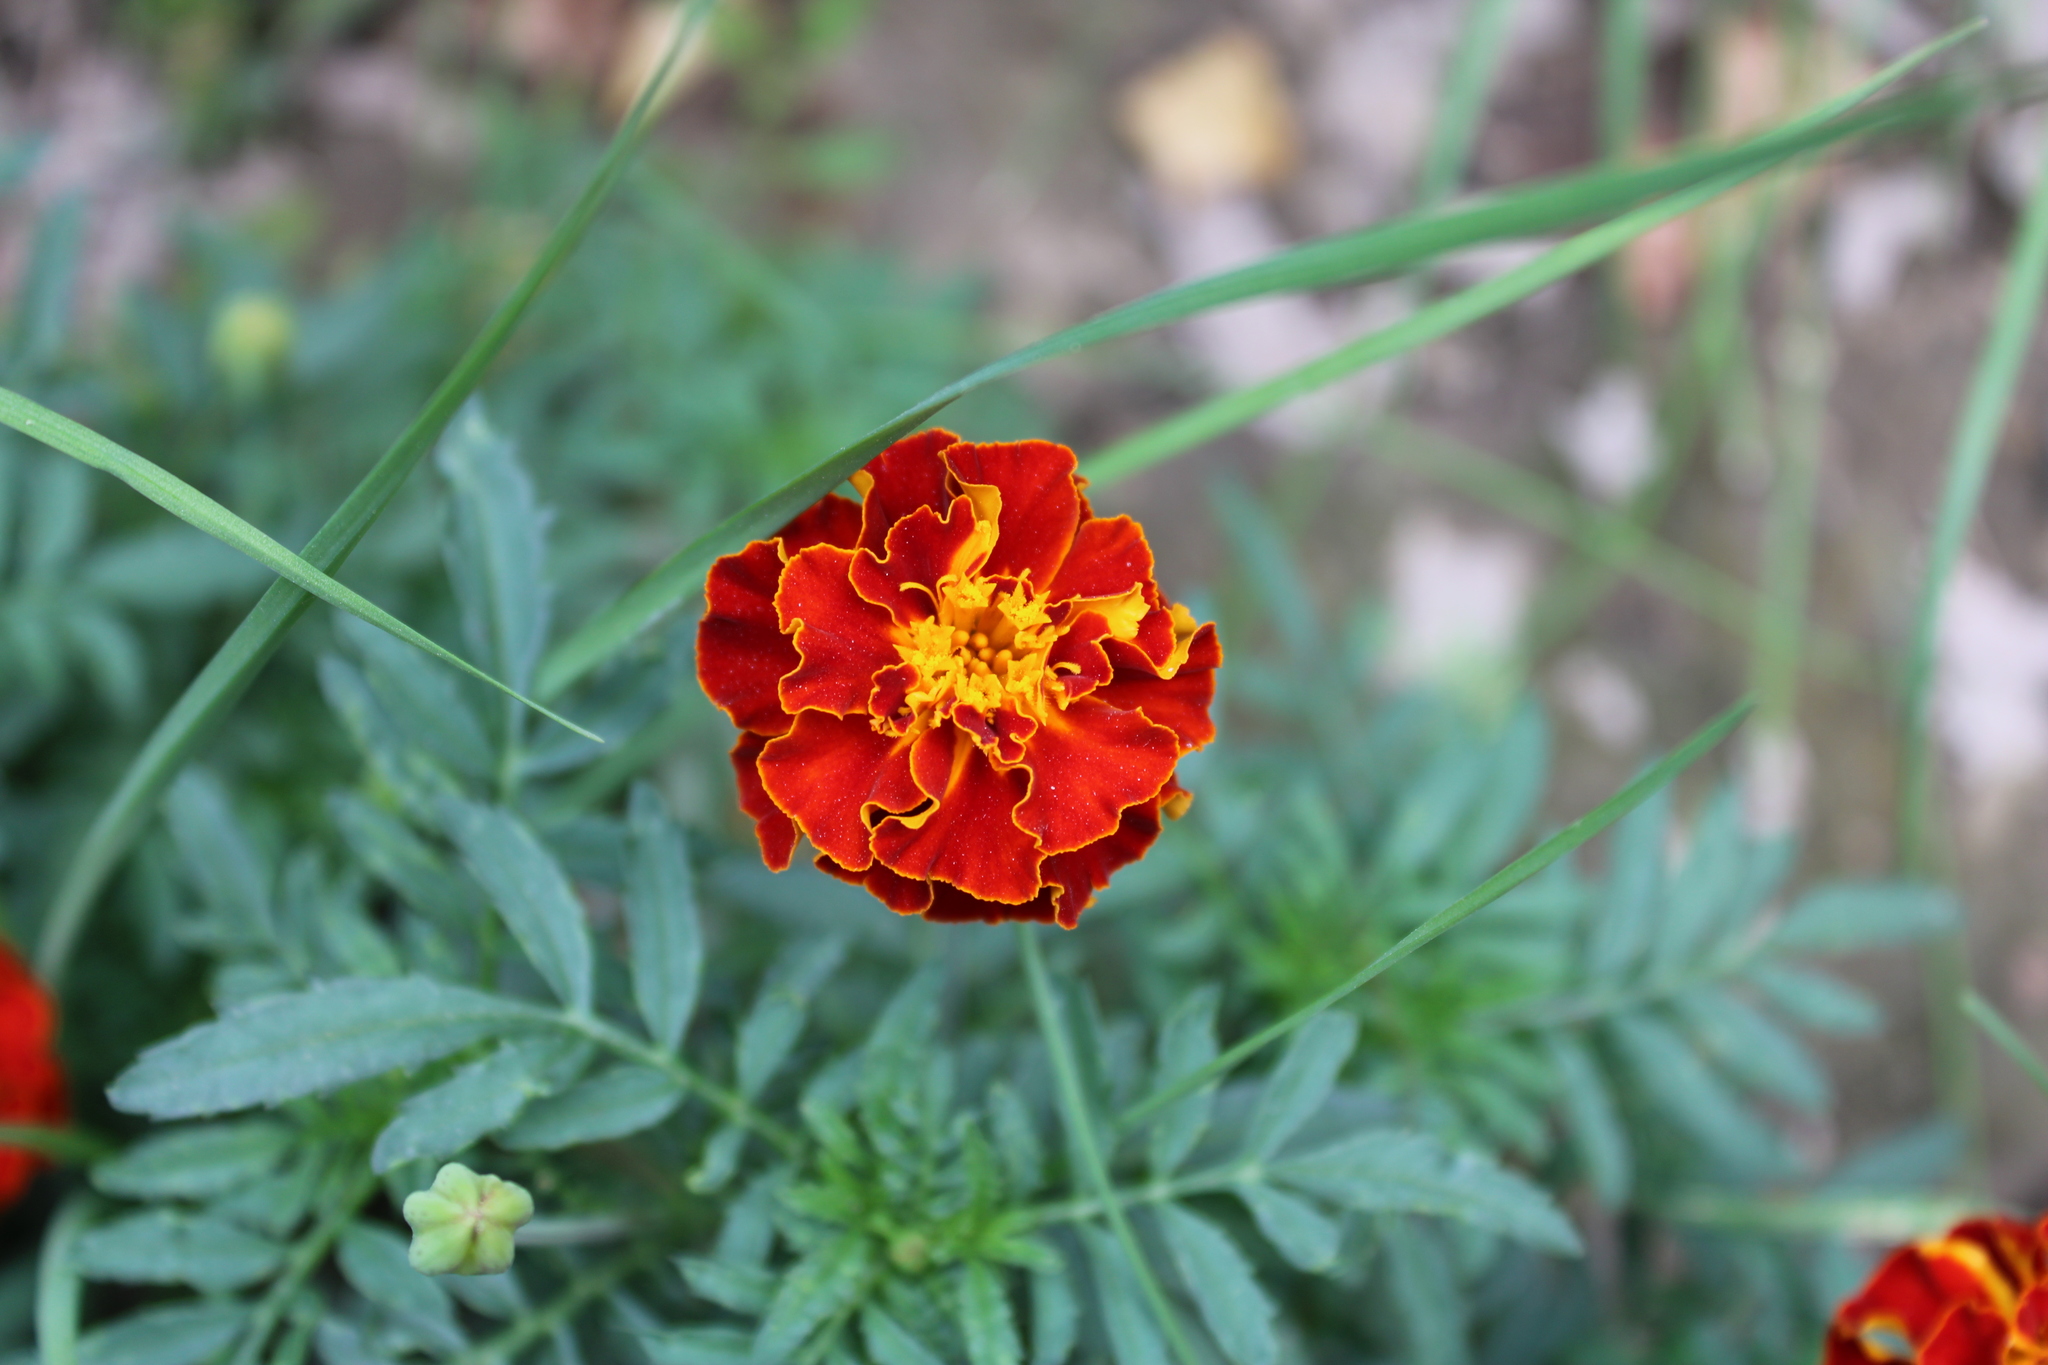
[(1081, 1126), (727, 1102), (1157, 1192), (213, 694), (1805, 367), (1485, 894), (68, 1145), (1482, 40), (1624, 76), (306, 1258), (531, 1328), (1979, 1010), (58, 1287)]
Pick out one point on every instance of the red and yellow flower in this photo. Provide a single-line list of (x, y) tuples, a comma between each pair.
[(31, 1082), (1976, 1295), (965, 690)]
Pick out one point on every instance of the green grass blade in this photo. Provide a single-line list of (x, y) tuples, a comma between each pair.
[(1624, 75), (1081, 1126), (1969, 464), (1463, 106), (1387, 249), (1980, 1012), (71, 1146), (60, 1289), (1481, 896), (194, 508), (213, 694)]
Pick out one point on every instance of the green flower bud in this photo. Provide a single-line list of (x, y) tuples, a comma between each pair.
[(463, 1223), (252, 335)]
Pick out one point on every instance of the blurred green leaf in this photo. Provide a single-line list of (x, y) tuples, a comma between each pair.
[(164, 1246), (531, 893), (611, 1104), (986, 1322), (168, 1334), (444, 1119), (196, 1162), (1846, 916), (661, 921), (1187, 1042), (1220, 1282), (1388, 1171)]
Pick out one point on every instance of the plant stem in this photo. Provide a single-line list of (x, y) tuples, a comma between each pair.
[(1463, 106), (1081, 1126), (1980, 1011), (58, 1289), (305, 1259), (727, 1102), (590, 1285), (1157, 1192)]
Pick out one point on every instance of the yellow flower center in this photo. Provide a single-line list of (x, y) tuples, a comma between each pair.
[(985, 649)]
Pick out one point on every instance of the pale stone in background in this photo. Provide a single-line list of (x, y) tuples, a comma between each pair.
[(1457, 598), (1602, 697), (1608, 436), (1876, 225)]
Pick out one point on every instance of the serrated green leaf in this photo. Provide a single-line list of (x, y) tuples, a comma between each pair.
[(741, 1288), (1597, 1131), (423, 702), (447, 1118), (1426, 1291), (373, 1260), (1627, 918), (721, 1160), (1187, 1042), (661, 921), (497, 555), (164, 1246), (1055, 1316), (825, 1283), (1818, 1001), (699, 1346), (1301, 1083), (1754, 1050), (231, 878), (611, 1104), (390, 851), (193, 507), (196, 1163), (1016, 1138), (285, 1046), (1220, 1282), (531, 893), (890, 1343), (1693, 1096), (169, 1334), (1843, 917), (1303, 1237), (1702, 898), (1133, 1336), (1390, 1171), (776, 1020), (1504, 808), (986, 1321)]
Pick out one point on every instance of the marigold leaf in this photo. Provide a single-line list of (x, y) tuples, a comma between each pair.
[(986, 1321), (611, 1104), (197, 1162), (661, 921), (1843, 917), (824, 1284), (1693, 1096), (1755, 1050), (1302, 1235), (447, 1118), (1817, 1000), (1425, 1291), (284, 1046), (373, 1260), (699, 1346), (741, 1288), (1133, 1336), (167, 1246), (1597, 1131), (1626, 922), (1055, 1316), (1390, 1171), (889, 1342), (776, 1021), (230, 876), (169, 1334), (533, 896), (1301, 1082), (497, 554), (1187, 1042), (1222, 1285)]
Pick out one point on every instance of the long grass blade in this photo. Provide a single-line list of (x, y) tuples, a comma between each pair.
[(1458, 911), (1459, 112), (1969, 465), (1981, 1012), (194, 508), (213, 694), (1372, 253), (1624, 75), (1081, 1126)]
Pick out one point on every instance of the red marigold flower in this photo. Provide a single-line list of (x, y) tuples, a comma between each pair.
[(1976, 1295), (31, 1082), (965, 690)]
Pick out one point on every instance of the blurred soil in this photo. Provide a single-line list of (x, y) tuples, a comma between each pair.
[(1008, 162)]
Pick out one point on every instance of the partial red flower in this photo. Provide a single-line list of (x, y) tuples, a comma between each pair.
[(31, 1082), (965, 690), (1976, 1295)]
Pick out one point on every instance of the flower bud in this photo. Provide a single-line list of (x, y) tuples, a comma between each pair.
[(252, 335), (463, 1223)]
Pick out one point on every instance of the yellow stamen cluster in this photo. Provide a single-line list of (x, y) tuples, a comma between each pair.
[(985, 650)]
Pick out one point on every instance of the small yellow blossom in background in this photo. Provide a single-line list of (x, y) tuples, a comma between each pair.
[(252, 337), (1214, 120), (463, 1223)]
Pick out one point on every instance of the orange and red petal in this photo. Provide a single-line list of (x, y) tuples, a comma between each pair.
[(1968, 1336), (1089, 763), (1077, 659), (951, 905), (1109, 557), (843, 639), (901, 894), (775, 831), (1180, 703), (828, 771), (1077, 875), (742, 653), (923, 548), (831, 520), (906, 476), (1041, 507), (970, 838)]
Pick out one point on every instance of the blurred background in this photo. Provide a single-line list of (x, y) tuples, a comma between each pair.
[(246, 237)]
